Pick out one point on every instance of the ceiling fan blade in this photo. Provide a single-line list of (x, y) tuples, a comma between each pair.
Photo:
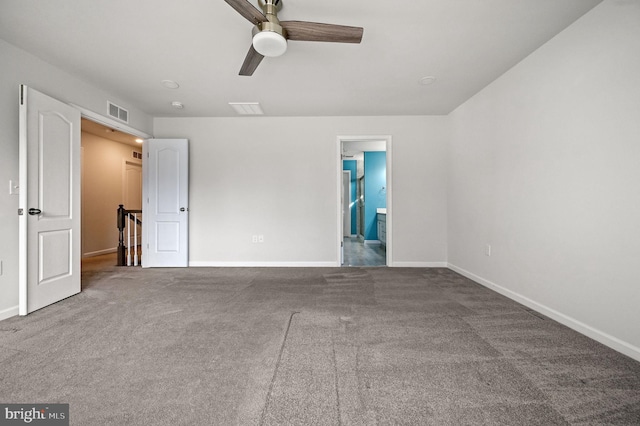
[(249, 11), (251, 62), (314, 31)]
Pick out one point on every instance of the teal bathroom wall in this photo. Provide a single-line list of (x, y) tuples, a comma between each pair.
[(375, 191)]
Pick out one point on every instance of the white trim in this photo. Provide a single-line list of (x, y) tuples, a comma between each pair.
[(339, 238), (22, 203), (598, 335), (110, 122), (214, 264), (389, 222), (388, 139), (9, 312), (100, 252), (420, 264)]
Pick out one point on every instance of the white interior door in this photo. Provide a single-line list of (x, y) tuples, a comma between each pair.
[(49, 201), (132, 186), (165, 208), (132, 192)]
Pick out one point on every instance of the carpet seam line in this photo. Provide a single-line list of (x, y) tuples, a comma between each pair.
[(275, 371)]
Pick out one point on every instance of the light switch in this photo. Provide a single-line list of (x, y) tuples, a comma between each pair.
[(14, 187)]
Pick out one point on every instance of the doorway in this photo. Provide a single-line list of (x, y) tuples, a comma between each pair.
[(368, 159), (111, 175)]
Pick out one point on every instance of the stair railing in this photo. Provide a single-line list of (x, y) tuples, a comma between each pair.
[(127, 219)]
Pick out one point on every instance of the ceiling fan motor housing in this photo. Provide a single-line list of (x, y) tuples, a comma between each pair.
[(270, 6), (269, 38)]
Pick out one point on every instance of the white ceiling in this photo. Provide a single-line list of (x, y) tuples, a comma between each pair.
[(128, 47), (352, 148)]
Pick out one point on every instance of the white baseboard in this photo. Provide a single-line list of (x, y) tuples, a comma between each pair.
[(604, 338), (8, 313), (419, 265), (263, 264), (100, 252)]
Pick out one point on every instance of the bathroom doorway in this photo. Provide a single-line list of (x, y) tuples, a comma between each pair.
[(368, 159)]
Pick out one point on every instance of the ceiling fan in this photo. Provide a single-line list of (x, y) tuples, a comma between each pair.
[(270, 35)]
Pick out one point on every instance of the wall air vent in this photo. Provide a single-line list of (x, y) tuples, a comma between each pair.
[(117, 112)]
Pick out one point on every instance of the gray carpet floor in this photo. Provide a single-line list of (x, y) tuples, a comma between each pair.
[(308, 346)]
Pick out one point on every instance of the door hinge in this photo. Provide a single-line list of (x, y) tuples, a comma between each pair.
[(20, 212), (22, 94)]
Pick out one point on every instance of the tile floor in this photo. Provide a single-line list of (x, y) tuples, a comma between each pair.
[(356, 253)]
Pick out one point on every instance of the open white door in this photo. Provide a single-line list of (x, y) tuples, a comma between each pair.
[(49, 201), (165, 208)]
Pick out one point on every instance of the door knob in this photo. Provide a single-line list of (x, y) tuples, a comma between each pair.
[(182, 209), (34, 212)]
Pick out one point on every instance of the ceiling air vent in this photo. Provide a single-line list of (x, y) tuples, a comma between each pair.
[(117, 112), (247, 108)]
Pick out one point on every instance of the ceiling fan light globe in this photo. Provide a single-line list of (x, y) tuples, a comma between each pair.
[(269, 43)]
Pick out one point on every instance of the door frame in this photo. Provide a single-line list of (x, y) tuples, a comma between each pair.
[(110, 122), (339, 225)]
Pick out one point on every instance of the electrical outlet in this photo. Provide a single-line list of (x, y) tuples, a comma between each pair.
[(261, 238), (254, 239), (487, 250)]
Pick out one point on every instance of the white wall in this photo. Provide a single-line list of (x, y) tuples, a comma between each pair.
[(545, 167), (277, 177), (19, 67)]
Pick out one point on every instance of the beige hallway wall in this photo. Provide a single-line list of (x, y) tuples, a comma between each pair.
[(102, 191)]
